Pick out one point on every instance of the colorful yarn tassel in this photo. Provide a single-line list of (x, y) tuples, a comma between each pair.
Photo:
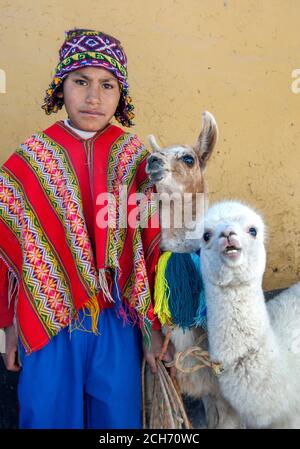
[(93, 307), (179, 292), (185, 286), (201, 316), (162, 291)]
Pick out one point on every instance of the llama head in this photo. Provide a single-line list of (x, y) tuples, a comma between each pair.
[(232, 246), (179, 168)]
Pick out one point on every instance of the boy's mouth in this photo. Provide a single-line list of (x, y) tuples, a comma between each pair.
[(93, 113)]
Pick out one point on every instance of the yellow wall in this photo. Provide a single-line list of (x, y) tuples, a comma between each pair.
[(234, 58)]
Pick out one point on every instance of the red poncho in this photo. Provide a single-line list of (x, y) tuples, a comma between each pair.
[(55, 258)]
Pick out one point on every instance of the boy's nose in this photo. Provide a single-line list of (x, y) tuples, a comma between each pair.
[(93, 95)]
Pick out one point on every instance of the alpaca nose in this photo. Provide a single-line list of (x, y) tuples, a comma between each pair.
[(227, 233)]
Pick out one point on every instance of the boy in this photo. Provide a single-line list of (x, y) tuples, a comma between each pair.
[(62, 272)]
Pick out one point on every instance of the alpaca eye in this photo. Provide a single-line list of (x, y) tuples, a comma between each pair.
[(253, 232), (188, 160), (207, 236)]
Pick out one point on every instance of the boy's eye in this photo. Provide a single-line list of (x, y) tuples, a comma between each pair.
[(108, 86), (80, 82)]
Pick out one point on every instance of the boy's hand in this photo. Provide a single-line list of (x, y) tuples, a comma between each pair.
[(11, 349), (157, 344)]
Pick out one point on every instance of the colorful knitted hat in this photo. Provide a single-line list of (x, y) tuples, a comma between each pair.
[(88, 48)]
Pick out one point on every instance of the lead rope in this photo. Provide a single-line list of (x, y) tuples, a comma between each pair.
[(202, 357), (167, 406)]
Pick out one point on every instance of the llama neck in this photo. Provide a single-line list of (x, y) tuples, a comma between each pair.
[(181, 222), (238, 322)]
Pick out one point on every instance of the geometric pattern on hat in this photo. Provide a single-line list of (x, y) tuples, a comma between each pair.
[(88, 48)]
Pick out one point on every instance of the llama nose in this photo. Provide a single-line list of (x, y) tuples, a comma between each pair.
[(154, 162)]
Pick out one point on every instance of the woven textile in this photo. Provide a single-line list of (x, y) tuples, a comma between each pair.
[(54, 252)]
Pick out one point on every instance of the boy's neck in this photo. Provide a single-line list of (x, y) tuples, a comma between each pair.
[(81, 133)]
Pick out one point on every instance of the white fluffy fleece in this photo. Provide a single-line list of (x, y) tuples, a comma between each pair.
[(256, 343)]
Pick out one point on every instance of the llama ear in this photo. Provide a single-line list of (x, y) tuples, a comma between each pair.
[(207, 138), (154, 145)]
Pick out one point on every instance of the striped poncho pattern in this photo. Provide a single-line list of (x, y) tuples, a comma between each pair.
[(55, 253)]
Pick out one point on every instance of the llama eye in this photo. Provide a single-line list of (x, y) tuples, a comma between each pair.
[(207, 236), (188, 160), (253, 232)]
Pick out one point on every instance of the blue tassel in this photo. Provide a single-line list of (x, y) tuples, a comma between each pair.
[(201, 317), (185, 285)]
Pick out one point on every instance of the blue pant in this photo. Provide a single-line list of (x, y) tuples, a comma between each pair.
[(81, 380)]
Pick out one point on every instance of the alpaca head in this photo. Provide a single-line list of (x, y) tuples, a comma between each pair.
[(232, 246), (179, 168)]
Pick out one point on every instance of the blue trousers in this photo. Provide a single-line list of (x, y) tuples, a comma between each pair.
[(81, 380)]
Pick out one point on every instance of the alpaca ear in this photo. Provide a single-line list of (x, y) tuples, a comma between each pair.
[(207, 138)]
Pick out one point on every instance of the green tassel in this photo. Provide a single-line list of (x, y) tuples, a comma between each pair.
[(162, 291)]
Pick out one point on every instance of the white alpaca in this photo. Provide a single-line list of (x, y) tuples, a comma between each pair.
[(257, 344), (178, 170)]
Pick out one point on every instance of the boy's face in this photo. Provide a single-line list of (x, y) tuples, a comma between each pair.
[(91, 96)]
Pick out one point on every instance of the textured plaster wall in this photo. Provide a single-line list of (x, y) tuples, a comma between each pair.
[(234, 58)]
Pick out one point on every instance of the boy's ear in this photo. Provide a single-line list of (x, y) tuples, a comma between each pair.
[(60, 94)]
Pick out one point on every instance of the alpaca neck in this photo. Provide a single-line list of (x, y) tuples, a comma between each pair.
[(238, 322), (255, 376)]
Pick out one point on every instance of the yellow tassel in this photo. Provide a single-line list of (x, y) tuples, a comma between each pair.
[(162, 291), (93, 307)]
